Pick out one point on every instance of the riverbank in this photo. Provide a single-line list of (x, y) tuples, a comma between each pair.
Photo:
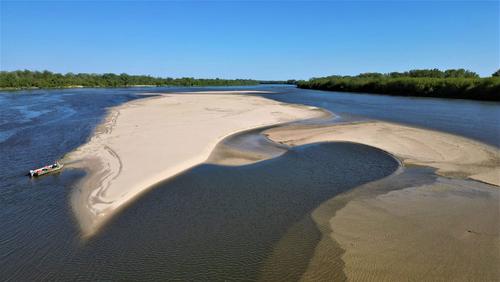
[(26, 79), (72, 87), (146, 141), (471, 88)]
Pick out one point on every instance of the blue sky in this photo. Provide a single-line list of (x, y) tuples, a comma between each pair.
[(261, 40)]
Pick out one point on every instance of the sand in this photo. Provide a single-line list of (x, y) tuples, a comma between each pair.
[(448, 230), (444, 229), (451, 155), (397, 229), (149, 140)]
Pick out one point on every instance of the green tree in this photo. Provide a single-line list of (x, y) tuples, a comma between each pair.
[(460, 83), (47, 79)]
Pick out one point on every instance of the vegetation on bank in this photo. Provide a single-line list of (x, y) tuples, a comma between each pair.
[(47, 79), (290, 81), (459, 84)]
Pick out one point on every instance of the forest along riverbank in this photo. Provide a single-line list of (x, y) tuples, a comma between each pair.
[(146, 141)]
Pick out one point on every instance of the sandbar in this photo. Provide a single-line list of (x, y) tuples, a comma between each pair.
[(446, 228), (149, 140), (451, 155)]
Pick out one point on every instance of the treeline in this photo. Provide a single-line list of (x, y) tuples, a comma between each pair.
[(290, 81), (453, 83), (47, 79)]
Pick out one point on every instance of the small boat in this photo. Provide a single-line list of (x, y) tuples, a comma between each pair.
[(46, 169)]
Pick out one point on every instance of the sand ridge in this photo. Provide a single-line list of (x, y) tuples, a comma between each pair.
[(451, 155)]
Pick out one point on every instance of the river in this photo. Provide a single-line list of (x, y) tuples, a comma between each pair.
[(212, 222)]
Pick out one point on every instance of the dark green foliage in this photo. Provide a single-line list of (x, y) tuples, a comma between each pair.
[(433, 73), (496, 74), (46, 79), (460, 84), (290, 81), (371, 74)]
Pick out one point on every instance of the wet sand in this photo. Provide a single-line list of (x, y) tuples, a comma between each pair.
[(423, 227), (409, 227), (399, 229), (447, 230), (146, 141)]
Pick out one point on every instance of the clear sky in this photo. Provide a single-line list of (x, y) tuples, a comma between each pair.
[(260, 40)]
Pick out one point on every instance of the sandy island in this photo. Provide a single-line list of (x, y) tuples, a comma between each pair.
[(149, 140), (398, 235)]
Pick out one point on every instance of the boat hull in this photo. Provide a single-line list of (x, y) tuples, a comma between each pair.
[(45, 170)]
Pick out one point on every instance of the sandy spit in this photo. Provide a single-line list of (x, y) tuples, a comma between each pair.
[(149, 140), (451, 155)]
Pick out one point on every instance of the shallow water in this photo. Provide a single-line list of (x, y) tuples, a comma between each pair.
[(211, 222)]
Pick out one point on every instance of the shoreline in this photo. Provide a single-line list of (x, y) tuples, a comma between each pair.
[(176, 132), (12, 89), (146, 141), (440, 208), (401, 226), (451, 155), (102, 156)]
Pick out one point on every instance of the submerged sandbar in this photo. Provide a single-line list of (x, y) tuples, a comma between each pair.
[(399, 229)]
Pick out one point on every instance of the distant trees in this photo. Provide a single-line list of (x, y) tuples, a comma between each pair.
[(371, 74), (47, 79), (496, 74), (460, 73), (290, 81), (436, 73), (453, 83)]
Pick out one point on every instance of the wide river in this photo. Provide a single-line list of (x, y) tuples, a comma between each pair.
[(210, 223)]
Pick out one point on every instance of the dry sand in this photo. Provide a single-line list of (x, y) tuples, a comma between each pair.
[(451, 155), (444, 230), (146, 141)]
